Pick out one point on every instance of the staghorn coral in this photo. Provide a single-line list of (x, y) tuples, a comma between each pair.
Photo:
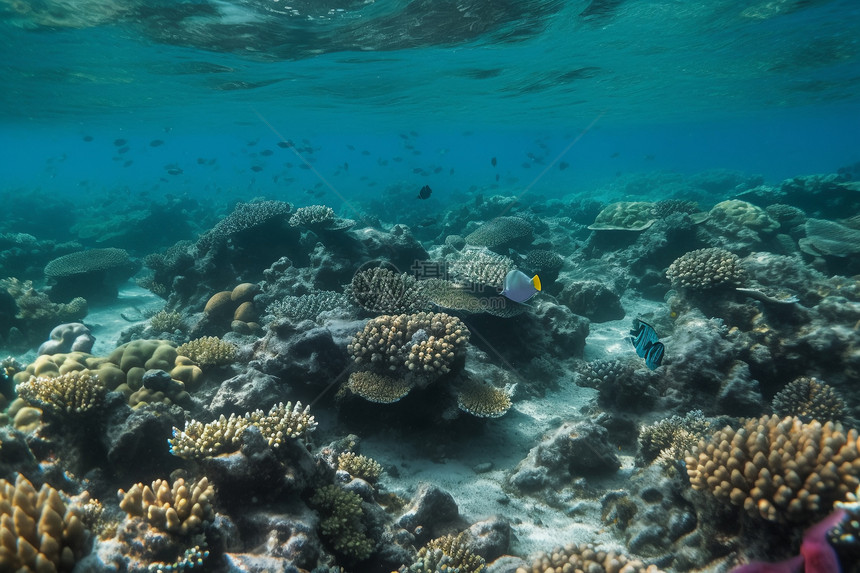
[(423, 344), (75, 392), (669, 439), (475, 268), (706, 269), (809, 399), (199, 440), (500, 232), (381, 290), (448, 553), (359, 466), (39, 530), (625, 216), (377, 388), (209, 351), (778, 469), (341, 522), (166, 321), (310, 306), (180, 508), (586, 558), (483, 400)]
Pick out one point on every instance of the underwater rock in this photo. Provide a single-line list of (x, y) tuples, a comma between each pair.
[(247, 391), (490, 538), (430, 512), (310, 356), (70, 337), (134, 438), (593, 300)]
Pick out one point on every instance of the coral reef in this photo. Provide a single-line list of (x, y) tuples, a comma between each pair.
[(625, 216), (585, 557), (359, 466), (706, 269), (208, 351), (381, 290), (447, 553), (166, 321), (483, 400), (778, 469), (501, 232), (76, 392), (342, 522), (91, 274), (310, 306), (174, 508), (809, 399), (40, 530), (668, 440)]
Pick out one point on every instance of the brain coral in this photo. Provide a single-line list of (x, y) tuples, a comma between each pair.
[(809, 399), (778, 469), (178, 508), (625, 216), (424, 344), (501, 231), (706, 269), (39, 531)]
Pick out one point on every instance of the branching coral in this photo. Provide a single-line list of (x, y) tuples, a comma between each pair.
[(178, 508), (778, 469), (809, 399), (166, 321), (283, 421), (341, 522), (448, 553), (585, 558), (359, 466), (381, 290), (310, 306), (209, 351), (669, 439), (75, 392), (39, 531), (424, 344), (706, 269)]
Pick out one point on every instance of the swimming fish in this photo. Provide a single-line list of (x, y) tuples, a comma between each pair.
[(647, 344), (493, 162), (519, 287), (425, 192)]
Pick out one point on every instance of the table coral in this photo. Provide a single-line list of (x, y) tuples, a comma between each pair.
[(483, 400), (778, 469), (706, 269), (500, 232), (377, 388), (174, 508), (39, 530), (381, 290), (94, 272)]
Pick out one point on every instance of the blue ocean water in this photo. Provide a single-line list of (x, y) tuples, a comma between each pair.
[(568, 96)]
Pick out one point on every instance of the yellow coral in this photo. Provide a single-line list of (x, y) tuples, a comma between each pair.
[(176, 508), (778, 469), (483, 400), (39, 531), (451, 552), (75, 392), (378, 388), (359, 466), (209, 351), (584, 557), (283, 421)]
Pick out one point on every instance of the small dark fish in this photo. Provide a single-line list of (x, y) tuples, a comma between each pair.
[(345, 166), (527, 165), (381, 162), (425, 192), (647, 344), (563, 165), (319, 194), (156, 143), (397, 159), (365, 152), (404, 136), (127, 163), (614, 155), (256, 168), (88, 138), (119, 142), (649, 157), (285, 144), (427, 222), (123, 149), (266, 152), (413, 133), (416, 152), (497, 177), (351, 147), (304, 166), (201, 161), (493, 162), (451, 172), (417, 170), (437, 170), (173, 169)]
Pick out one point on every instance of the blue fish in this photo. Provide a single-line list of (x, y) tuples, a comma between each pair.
[(519, 287), (647, 344)]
